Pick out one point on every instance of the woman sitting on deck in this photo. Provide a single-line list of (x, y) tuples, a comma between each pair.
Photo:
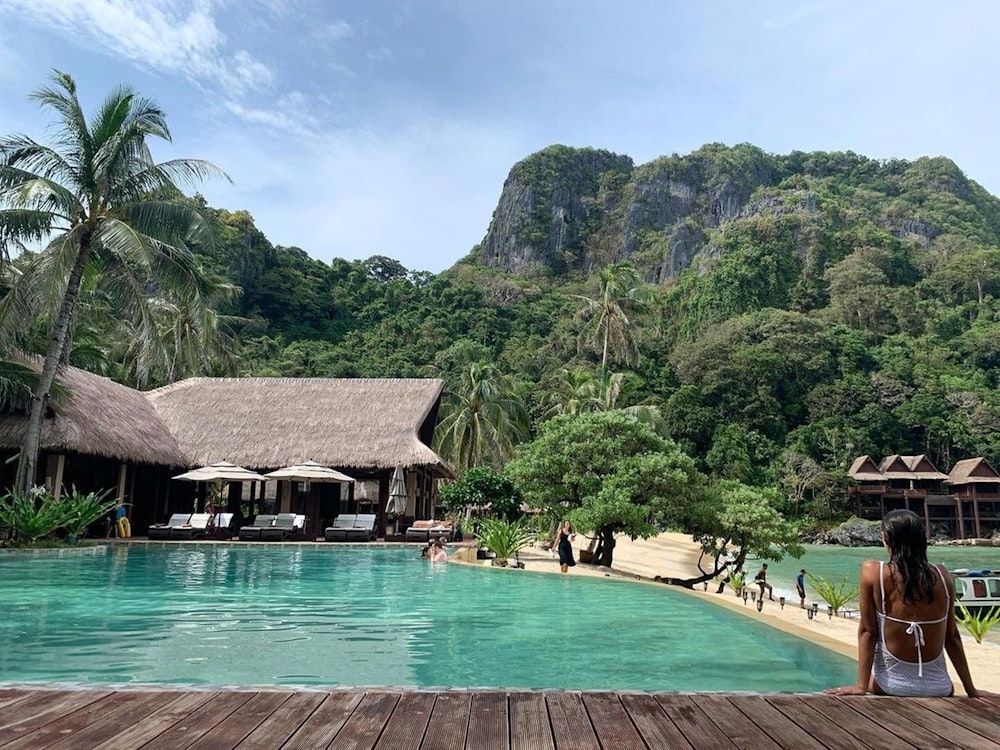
[(907, 619)]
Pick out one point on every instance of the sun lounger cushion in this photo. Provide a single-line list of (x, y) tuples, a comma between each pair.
[(253, 532), (224, 525), (162, 530), (196, 526), (338, 531), (284, 526), (424, 531)]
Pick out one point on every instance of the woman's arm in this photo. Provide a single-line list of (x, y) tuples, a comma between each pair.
[(867, 632), (953, 642)]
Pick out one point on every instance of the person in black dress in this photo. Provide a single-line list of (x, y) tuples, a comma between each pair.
[(564, 537)]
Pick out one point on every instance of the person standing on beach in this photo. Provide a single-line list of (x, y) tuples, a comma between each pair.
[(563, 545), (761, 580), (800, 587)]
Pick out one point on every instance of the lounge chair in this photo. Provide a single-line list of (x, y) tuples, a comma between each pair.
[(162, 530), (425, 531), (223, 525), (338, 531), (285, 525), (363, 529), (196, 526), (253, 532)]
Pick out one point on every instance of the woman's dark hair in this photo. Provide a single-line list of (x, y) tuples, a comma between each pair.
[(907, 542)]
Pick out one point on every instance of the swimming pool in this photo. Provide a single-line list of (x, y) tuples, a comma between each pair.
[(254, 615)]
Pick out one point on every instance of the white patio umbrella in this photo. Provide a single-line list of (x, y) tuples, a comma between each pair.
[(309, 471), (397, 493), (221, 471)]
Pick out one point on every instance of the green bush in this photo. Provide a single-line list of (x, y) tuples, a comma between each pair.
[(26, 517), (504, 538), (979, 624), (80, 510), (834, 594)]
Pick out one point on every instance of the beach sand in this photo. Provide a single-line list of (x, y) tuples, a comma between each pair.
[(676, 556)]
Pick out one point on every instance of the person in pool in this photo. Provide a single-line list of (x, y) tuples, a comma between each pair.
[(907, 619)]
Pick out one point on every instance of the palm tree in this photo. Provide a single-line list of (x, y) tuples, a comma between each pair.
[(483, 417), (96, 199), (607, 325), (573, 392)]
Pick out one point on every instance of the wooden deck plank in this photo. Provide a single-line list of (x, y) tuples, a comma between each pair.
[(449, 722), (570, 721), (11, 696), (529, 722), (611, 722), (488, 722), (91, 719), (886, 712), (283, 723), (518, 720), (863, 728), (408, 723), (113, 719), (42, 703), (656, 728), (323, 724), (741, 727), (154, 724), (942, 726), (232, 730), (694, 723), (43, 708), (828, 732), (193, 726), (973, 714), (365, 724)]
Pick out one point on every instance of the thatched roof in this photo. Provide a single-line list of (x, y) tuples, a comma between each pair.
[(96, 416), (972, 471), (894, 467), (864, 470), (922, 467), (266, 423)]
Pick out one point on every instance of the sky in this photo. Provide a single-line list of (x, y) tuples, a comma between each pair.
[(353, 128)]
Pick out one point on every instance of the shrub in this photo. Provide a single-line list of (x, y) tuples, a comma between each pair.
[(80, 510), (504, 538), (834, 594), (979, 624), (26, 517)]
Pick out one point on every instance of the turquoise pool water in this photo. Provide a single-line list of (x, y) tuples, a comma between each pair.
[(218, 615)]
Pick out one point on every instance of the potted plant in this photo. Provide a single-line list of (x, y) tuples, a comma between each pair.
[(504, 538)]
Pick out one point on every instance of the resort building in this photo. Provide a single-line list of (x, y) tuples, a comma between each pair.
[(99, 434), (961, 504)]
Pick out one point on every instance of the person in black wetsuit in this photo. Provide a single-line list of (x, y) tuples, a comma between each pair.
[(562, 543)]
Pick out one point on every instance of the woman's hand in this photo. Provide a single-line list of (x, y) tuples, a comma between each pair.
[(846, 690)]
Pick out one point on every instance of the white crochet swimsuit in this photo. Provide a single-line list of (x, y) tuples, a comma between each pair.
[(917, 679)]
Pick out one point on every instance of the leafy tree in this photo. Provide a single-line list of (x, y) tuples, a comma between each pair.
[(608, 473), (483, 487), (734, 522), (482, 417), (607, 324), (95, 197)]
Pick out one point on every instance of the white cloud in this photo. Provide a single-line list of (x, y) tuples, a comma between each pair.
[(290, 114), (380, 54), (334, 32), (165, 35)]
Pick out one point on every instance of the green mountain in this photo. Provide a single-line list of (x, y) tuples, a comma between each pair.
[(808, 307)]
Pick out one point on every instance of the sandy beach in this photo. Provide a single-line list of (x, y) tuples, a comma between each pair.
[(676, 555)]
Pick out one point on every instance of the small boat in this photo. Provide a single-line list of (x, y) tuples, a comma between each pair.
[(978, 590)]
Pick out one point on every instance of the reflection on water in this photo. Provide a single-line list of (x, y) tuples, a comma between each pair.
[(211, 614)]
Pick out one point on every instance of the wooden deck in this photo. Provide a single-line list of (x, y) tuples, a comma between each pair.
[(492, 720)]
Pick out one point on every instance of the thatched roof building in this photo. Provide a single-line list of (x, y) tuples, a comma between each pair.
[(864, 470), (264, 423), (95, 416), (973, 471)]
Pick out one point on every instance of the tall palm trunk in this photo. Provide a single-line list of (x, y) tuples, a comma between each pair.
[(27, 467)]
